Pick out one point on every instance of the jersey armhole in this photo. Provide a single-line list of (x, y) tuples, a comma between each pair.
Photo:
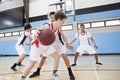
[(47, 24)]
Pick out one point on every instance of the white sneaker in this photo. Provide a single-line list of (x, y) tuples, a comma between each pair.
[(22, 78), (55, 76)]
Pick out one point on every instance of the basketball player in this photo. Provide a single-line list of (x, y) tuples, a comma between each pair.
[(41, 50), (37, 49), (20, 46), (58, 45), (37, 72), (84, 37)]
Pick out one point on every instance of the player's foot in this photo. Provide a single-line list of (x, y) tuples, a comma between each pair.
[(72, 77), (55, 76), (34, 74), (20, 65), (98, 63), (22, 78), (73, 65), (13, 68)]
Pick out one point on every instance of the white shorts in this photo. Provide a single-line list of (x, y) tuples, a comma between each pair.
[(20, 49), (61, 49), (36, 52), (87, 48)]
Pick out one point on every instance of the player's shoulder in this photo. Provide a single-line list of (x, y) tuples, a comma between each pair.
[(77, 34), (87, 32), (47, 24)]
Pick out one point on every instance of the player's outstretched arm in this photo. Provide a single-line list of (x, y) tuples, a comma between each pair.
[(94, 42), (73, 41)]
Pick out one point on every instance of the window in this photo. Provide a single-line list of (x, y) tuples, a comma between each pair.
[(67, 27), (98, 24), (2, 35), (21, 32), (113, 22), (8, 34), (15, 33), (87, 25)]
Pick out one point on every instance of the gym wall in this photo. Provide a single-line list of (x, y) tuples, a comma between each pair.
[(107, 38)]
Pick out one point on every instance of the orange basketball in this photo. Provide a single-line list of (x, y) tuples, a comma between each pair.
[(46, 36)]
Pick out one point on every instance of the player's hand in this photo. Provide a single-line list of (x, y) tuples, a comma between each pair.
[(96, 46), (41, 55), (69, 46)]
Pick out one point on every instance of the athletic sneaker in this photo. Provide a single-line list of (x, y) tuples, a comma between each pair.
[(73, 65), (20, 65), (34, 74), (55, 76), (22, 78), (13, 68), (98, 63)]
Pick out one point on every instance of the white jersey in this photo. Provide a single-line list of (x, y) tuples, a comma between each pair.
[(46, 50), (22, 38), (83, 38), (58, 44), (57, 33), (84, 43)]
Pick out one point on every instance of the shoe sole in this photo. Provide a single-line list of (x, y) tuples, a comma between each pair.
[(13, 71), (34, 76)]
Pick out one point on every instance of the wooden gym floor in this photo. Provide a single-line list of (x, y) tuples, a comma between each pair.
[(86, 68)]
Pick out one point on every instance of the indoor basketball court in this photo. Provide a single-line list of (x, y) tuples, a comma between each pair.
[(86, 69), (98, 20)]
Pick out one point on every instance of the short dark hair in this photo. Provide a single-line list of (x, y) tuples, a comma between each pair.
[(27, 26), (82, 25), (60, 15), (52, 13)]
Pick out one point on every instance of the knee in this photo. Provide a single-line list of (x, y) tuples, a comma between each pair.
[(44, 58), (64, 56), (24, 55), (77, 53)]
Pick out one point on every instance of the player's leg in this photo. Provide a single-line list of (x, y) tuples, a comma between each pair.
[(47, 51), (37, 72), (22, 55), (21, 58), (65, 58), (91, 50), (22, 52), (51, 51), (96, 58), (75, 58), (27, 70), (62, 51), (33, 57), (79, 51), (56, 58)]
